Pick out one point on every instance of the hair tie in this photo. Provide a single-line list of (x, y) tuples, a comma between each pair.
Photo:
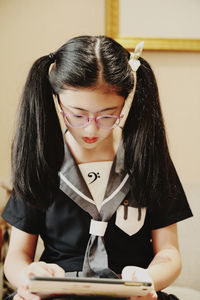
[(52, 57), (134, 61)]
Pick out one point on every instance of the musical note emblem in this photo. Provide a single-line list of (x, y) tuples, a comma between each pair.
[(94, 176)]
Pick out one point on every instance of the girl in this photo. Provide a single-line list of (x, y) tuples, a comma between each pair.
[(104, 196)]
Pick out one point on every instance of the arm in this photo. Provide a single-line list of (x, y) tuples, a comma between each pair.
[(20, 254), (19, 263), (166, 265)]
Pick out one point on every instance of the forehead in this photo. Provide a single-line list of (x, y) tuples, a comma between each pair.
[(90, 99)]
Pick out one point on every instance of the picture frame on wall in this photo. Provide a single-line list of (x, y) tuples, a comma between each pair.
[(172, 25)]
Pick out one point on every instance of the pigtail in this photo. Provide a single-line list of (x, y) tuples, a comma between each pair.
[(146, 152), (37, 151)]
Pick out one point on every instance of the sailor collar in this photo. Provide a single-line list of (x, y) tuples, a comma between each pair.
[(74, 186)]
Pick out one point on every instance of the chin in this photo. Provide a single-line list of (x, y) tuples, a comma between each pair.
[(89, 146)]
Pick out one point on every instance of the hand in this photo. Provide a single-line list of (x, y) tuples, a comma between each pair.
[(139, 274), (24, 294), (36, 269), (43, 269)]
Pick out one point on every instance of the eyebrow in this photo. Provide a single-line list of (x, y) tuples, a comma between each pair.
[(85, 110)]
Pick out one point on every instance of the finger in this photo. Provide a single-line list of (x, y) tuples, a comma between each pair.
[(56, 270), (130, 273), (17, 297), (39, 269), (153, 295), (25, 294), (149, 296)]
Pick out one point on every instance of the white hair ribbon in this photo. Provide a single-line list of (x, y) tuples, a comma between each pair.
[(133, 61)]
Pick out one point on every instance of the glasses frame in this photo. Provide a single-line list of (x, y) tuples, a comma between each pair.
[(88, 119)]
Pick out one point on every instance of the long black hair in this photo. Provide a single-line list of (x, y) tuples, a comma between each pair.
[(38, 148)]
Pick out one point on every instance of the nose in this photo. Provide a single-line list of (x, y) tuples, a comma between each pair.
[(92, 127)]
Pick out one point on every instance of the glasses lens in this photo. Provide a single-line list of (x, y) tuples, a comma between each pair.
[(107, 122), (80, 121), (75, 120)]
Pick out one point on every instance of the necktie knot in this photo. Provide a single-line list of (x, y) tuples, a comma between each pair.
[(98, 228)]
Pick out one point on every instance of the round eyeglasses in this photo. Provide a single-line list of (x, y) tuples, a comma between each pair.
[(81, 121)]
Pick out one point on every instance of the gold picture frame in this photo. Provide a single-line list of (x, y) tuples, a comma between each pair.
[(165, 44)]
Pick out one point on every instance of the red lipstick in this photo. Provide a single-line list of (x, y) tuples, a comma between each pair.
[(90, 140)]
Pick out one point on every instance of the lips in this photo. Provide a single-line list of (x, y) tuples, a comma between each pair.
[(90, 140)]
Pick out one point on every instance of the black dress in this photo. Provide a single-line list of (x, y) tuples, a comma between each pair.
[(64, 226)]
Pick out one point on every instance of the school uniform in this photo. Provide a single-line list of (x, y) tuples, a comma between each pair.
[(96, 241)]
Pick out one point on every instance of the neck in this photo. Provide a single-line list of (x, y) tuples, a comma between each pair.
[(103, 152)]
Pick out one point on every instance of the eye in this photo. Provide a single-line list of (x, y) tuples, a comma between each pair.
[(78, 116), (107, 117)]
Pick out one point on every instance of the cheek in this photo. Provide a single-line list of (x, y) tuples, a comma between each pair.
[(74, 131), (105, 133)]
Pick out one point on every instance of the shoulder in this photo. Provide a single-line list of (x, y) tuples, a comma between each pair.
[(22, 215)]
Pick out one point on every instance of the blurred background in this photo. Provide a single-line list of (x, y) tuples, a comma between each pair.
[(33, 28), (30, 29)]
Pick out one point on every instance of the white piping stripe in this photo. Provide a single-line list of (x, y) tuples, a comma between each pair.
[(75, 189), (117, 190)]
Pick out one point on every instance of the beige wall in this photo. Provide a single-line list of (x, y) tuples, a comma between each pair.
[(29, 29), (178, 77)]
